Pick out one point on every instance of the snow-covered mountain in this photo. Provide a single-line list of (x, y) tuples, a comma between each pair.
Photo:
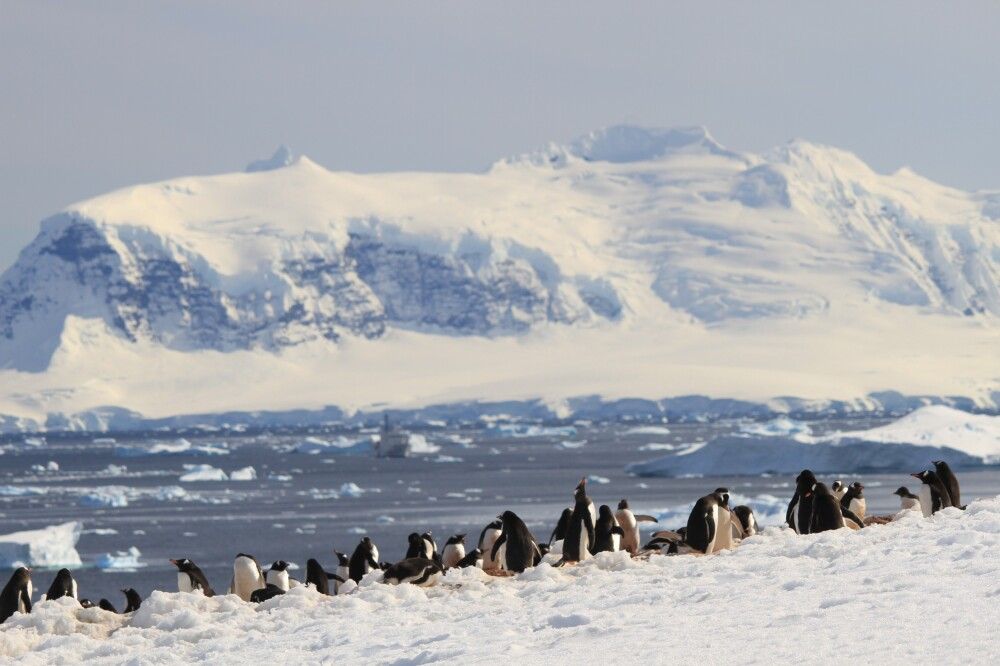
[(628, 262)]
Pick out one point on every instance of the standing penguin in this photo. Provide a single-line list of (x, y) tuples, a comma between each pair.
[(343, 569), (278, 576), (907, 500), (454, 551), (581, 489), (520, 550), (799, 514), (828, 513), (629, 521), (363, 560), (607, 533), (559, 533), (62, 586), (247, 576), (489, 536), (854, 499), (317, 576), (933, 494), (950, 482), (748, 522), (190, 577), (133, 600), (580, 535), (16, 595), (703, 525)]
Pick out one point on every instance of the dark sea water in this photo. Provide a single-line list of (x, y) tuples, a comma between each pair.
[(295, 508)]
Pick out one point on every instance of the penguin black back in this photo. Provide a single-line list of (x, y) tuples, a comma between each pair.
[(268, 592), (16, 594), (316, 576), (195, 576), (827, 511), (559, 533), (521, 549), (363, 560), (133, 600), (106, 605), (800, 510), (580, 535), (940, 498), (63, 585), (950, 482), (417, 546), (606, 530)]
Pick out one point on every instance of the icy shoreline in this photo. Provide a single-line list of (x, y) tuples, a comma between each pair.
[(841, 595)]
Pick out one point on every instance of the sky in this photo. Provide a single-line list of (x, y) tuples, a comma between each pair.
[(100, 95)]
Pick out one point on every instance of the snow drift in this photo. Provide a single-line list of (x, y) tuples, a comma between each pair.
[(759, 600)]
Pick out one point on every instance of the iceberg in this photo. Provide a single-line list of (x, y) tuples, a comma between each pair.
[(243, 474), (127, 560), (197, 473), (105, 497), (53, 546), (339, 446)]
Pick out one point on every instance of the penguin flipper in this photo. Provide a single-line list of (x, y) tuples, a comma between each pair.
[(618, 530), (645, 518), (335, 577), (850, 515), (710, 531), (26, 600), (788, 513), (501, 540)]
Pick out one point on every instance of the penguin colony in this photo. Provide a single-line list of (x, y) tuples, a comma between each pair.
[(507, 546)]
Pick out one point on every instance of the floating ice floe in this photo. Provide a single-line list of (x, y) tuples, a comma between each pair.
[(279, 477), (525, 430), (420, 446), (178, 447), (51, 466), (648, 430), (351, 489), (22, 491), (105, 497), (196, 473), (46, 547), (339, 446), (446, 459), (243, 474), (566, 444), (593, 478), (122, 560)]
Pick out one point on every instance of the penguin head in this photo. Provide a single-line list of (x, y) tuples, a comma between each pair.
[(507, 517), (415, 539), (22, 575), (87, 603), (723, 496), (857, 489), (805, 482), (622, 504), (455, 539), (902, 491), (836, 485), (183, 564), (63, 574), (581, 489), (926, 476), (342, 559), (279, 565), (604, 511)]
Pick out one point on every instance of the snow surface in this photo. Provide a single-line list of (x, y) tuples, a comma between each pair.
[(856, 596), (631, 262), (52, 546)]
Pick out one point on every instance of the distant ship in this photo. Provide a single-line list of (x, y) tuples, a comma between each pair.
[(392, 443)]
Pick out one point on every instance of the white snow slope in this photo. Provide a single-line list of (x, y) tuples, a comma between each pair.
[(630, 263), (914, 591)]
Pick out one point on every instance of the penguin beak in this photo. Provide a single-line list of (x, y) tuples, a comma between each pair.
[(173, 562), (915, 475)]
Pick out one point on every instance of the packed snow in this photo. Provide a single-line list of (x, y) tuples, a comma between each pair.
[(52, 546), (759, 600)]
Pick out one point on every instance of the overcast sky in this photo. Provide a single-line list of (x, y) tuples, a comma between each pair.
[(94, 96)]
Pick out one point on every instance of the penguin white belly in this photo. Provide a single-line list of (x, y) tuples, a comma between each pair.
[(20, 602), (630, 541), (715, 537), (926, 505), (723, 530), (374, 552), (75, 595), (246, 578), (584, 545), (489, 539), (593, 513), (453, 553), (795, 518), (278, 578), (184, 582), (752, 526), (857, 507), (343, 572), (910, 503)]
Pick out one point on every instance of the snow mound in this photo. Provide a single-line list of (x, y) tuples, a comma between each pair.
[(941, 426), (53, 546), (196, 473), (777, 582), (123, 560)]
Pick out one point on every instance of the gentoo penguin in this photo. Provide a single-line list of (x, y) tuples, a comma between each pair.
[(133, 600), (432, 545), (16, 595), (278, 576), (580, 535), (950, 482), (487, 538), (907, 500), (317, 576), (723, 494), (607, 532), (520, 550), (190, 577), (829, 514), (581, 488), (799, 514), (420, 571), (709, 526), (474, 558), (559, 533), (854, 500), (933, 494), (838, 489), (363, 560), (343, 569), (628, 521), (62, 586), (748, 522), (106, 605), (454, 551), (417, 546), (267, 592), (247, 576)]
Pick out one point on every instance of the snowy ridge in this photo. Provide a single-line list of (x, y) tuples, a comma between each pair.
[(664, 262), (778, 585)]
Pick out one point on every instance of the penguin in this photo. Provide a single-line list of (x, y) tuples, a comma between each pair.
[(827, 511), (854, 499), (420, 571), (133, 600), (799, 514), (247, 576), (474, 558), (580, 535), (278, 576), (607, 533), (629, 521), (317, 576), (363, 560), (705, 526), (62, 586), (269, 591), (933, 494), (87, 603), (190, 577), (487, 538), (838, 489), (581, 488), (416, 547), (559, 533), (16, 595), (343, 569), (431, 546), (454, 551), (106, 605), (907, 500), (746, 519), (950, 482), (520, 550), (723, 494)]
